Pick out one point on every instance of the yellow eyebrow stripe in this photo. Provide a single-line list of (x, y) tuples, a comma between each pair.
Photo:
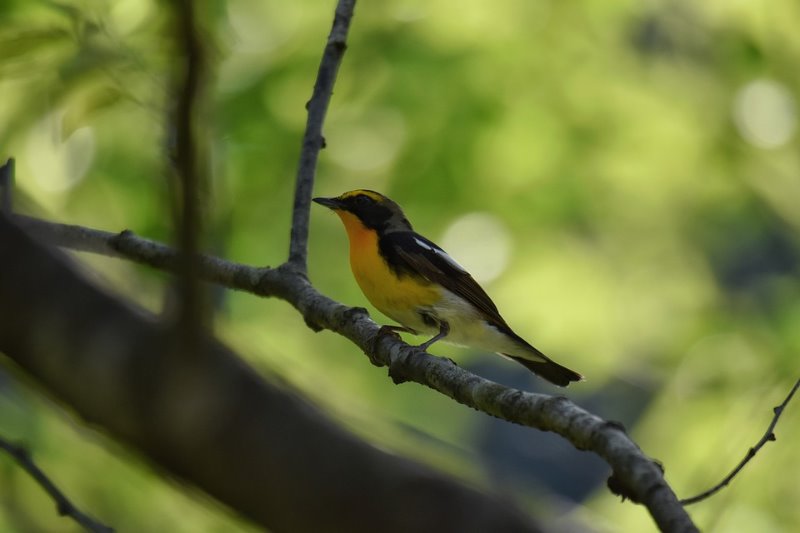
[(372, 194)]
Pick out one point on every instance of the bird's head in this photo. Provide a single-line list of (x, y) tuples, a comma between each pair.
[(372, 209)]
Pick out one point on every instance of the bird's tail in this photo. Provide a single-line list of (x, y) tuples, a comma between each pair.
[(549, 370)]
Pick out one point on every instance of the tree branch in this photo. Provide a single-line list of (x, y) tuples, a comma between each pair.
[(584, 430), (189, 88), (768, 436), (216, 422), (313, 141), (63, 505)]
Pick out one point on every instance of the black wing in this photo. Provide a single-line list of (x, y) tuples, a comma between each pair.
[(410, 253)]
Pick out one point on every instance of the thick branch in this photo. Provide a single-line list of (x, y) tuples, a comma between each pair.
[(216, 422), (313, 141), (581, 428), (63, 505)]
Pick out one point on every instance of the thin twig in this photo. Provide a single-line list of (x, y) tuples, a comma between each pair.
[(127, 245), (582, 429), (313, 141), (6, 185), (63, 505), (768, 436)]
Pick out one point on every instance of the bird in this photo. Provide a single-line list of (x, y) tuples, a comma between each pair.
[(417, 284)]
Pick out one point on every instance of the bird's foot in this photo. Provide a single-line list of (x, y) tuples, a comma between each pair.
[(382, 332)]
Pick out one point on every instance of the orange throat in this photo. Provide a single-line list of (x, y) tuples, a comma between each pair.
[(363, 241), (396, 297), (366, 262)]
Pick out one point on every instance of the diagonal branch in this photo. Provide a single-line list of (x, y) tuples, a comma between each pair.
[(768, 436), (64, 506), (216, 422), (313, 141), (582, 429)]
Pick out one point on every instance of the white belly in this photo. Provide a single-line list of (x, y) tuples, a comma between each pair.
[(467, 327)]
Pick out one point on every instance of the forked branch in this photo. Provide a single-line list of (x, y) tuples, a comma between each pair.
[(582, 429), (288, 282)]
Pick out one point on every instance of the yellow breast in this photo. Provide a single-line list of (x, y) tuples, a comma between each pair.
[(396, 297)]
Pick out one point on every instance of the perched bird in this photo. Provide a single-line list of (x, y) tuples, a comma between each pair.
[(414, 282)]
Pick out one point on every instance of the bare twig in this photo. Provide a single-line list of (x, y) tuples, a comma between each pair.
[(6, 185), (768, 436), (582, 429), (63, 505), (313, 140), (129, 246)]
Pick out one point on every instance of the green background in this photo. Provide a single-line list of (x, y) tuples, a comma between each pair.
[(629, 176)]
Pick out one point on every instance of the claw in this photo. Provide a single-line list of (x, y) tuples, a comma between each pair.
[(392, 330), (384, 331)]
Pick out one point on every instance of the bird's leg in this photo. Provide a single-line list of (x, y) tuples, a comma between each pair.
[(444, 329)]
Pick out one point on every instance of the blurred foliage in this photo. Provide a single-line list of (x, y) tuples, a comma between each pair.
[(641, 158)]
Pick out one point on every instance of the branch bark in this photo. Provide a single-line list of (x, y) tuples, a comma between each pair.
[(642, 477), (215, 422)]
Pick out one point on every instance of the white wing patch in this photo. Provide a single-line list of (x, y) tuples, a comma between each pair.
[(423, 244), (441, 253)]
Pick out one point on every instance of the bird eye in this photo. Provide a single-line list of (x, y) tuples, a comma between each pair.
[(362, 200)]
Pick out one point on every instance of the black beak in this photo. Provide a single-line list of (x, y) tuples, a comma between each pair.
[(330, 203)]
